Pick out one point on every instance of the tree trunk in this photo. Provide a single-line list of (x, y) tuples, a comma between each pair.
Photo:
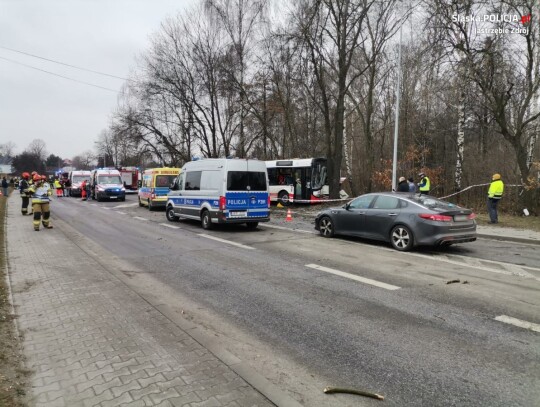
[(460, 142)]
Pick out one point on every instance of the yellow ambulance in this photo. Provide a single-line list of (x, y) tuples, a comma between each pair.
[(155, 185)]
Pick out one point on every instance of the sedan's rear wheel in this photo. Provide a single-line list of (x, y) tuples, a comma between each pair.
[(401, 238), (326, 227)]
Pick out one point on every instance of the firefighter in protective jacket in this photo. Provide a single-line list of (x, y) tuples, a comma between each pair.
[(25, 194), (41, 192)]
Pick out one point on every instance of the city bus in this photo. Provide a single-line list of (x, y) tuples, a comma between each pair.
[(301, 180)]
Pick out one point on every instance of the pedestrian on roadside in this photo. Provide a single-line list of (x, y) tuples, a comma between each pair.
[(5, 186), (41, 192), (83, 190), (25, 194), (67, 187), (424, 185), (403, 185), (58, 187), (88, 190), (495, 194), (412, 187)]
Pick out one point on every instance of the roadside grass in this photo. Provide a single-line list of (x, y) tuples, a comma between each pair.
[(512, 221), (12, 372)]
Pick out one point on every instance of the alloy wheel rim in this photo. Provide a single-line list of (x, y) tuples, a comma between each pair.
[(401, 238), (326, 227)]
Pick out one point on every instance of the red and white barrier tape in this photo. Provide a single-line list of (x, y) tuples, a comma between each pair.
[(314, 201), (350, 199), (473, 186)]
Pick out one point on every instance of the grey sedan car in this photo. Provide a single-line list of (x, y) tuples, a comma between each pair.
[(403, 219)]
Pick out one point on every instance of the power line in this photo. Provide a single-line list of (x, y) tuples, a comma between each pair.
[(61, 76), (63, 63)]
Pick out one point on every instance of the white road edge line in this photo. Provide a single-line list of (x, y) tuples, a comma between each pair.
[(354, 277), (518, 322), (138, 217), (121, 213), (169, 226), (226, 241)]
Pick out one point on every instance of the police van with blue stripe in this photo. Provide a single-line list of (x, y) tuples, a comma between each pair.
[(221, 191)]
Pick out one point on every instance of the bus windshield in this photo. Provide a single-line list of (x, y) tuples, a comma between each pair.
[(318, 174)]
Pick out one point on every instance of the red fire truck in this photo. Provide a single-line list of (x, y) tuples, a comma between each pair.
[(130, 178)]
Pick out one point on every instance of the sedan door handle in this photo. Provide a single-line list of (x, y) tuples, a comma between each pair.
[(392, 214)]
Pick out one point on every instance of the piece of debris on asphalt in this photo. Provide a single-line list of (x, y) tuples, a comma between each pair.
[(453, 281), (465, 282), (330, 390)]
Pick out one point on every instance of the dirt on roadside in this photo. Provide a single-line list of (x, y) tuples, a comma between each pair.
[(13, 375)]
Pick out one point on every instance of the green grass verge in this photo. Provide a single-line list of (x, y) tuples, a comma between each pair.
[(12, 372)]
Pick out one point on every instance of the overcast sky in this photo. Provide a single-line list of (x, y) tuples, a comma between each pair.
[(100, 35)]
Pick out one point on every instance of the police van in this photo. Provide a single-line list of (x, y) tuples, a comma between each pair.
[(155, 186), (106, 183), (221, 191)]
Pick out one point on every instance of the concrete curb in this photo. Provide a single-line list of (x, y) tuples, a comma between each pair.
[(508, 239)]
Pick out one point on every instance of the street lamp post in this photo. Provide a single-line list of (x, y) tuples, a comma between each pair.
[(396, 124)]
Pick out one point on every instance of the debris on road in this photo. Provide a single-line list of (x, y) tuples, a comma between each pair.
[(330, 390), (453, 281)]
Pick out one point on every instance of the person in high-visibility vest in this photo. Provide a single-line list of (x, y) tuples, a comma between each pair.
[(424, 185), (495, 193), (58, 187)]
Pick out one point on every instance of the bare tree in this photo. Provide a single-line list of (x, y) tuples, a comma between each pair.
[(239, 20), (38, 148), (330, 32), (7, 149), (506, 70)]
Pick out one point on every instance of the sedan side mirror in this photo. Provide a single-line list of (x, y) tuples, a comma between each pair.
[(347, 206)]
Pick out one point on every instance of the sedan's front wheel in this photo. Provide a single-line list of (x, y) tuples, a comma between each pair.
[(401, 238), (326, 227)]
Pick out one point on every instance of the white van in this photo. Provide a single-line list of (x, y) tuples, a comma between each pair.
[(76, 178), (107, 184), (221, 191)]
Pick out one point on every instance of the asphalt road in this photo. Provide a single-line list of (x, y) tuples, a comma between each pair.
[(271, 296)]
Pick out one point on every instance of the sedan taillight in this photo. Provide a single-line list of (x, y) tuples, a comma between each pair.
[(472, 216), (434, 217)]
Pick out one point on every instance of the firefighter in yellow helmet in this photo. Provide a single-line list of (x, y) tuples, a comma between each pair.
[(41, 192), (495, 193)]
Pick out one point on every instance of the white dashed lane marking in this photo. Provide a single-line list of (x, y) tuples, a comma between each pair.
[(354, 277), (518, 322), (169, 226), (226, 241), (138, 217)]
